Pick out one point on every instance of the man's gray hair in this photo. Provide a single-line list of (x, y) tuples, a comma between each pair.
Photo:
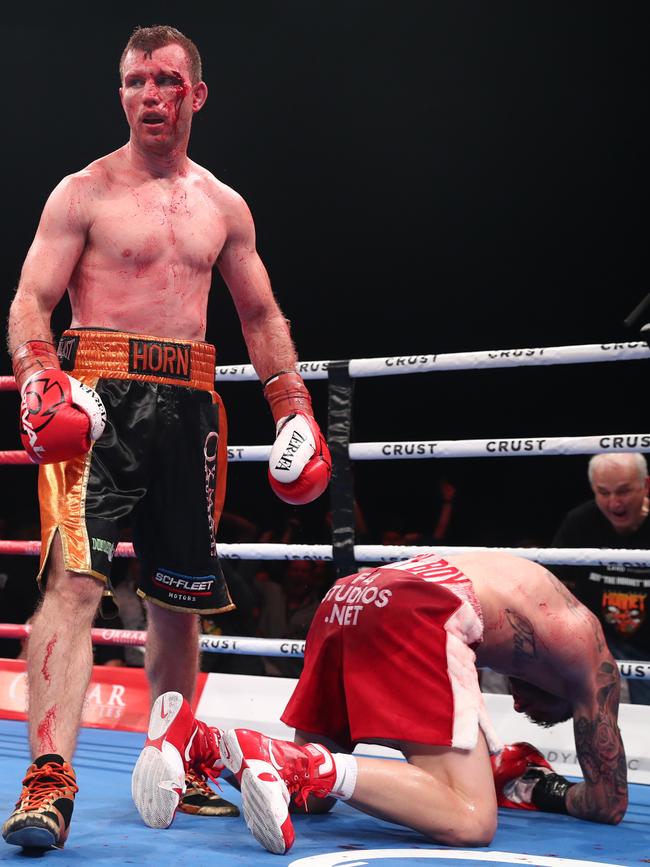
[(635, 459)]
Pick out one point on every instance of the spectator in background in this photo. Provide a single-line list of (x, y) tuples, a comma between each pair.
[(287, 612), (322, 576), (441, 527), (616, 517), (446, 492), (125, 577), (240, 621), (301, 598)]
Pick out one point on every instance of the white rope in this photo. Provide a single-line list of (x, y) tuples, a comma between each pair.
[(629, 669), (628, 557), (244, 644), (399, 364), (391, 553), (499, 448), (491, 448), (252, 646)]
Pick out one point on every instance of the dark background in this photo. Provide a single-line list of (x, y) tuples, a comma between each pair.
[(426, 176)]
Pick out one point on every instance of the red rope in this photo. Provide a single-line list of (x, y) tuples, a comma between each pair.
[(7, 383), (7, 546), (99, 636), (15, 458)]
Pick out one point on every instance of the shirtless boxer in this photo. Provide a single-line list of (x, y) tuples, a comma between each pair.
[(389, 660), (136, 433)]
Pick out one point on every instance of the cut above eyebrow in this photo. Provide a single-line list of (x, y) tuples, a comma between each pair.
[(162, 70)]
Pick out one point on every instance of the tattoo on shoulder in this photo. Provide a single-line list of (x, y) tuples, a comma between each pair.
[(523, 640)]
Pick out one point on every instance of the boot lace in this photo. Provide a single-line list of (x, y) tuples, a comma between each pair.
[(207, 760), (300, 781), (40, 784)]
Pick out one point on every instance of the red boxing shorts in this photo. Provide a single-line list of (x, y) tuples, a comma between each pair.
[(389, 657), (159, 468)]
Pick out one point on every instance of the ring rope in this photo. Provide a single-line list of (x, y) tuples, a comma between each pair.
[(387, 366), (423, 449), (630, 669), (209, 643), (15, 458), (498, 448), (388, 553), (400, 364)]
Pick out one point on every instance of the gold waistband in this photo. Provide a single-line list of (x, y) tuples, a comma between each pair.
[(123, 355)]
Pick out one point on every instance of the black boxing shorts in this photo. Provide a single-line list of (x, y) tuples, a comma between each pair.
[(159, 468)]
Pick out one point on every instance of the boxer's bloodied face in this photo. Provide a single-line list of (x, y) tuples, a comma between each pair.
[(539, 706), (159, 98)]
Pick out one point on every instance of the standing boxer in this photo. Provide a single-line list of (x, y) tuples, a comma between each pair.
[(124, 418)]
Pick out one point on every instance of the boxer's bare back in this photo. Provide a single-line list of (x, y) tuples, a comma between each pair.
[(534, 628)]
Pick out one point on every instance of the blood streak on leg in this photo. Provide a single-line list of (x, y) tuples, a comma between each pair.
[(45, 731), (48, 653)]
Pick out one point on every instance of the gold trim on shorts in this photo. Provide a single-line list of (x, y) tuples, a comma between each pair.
[(90, 355), (62, 499), (200, 611)]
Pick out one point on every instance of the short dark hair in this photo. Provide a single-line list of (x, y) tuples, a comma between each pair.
[(542, 694), (147, 39), (547, 724)]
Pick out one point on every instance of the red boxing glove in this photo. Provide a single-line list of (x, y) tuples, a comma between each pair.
[(59, 416), (300, 466), (286, 393), (524, 780)]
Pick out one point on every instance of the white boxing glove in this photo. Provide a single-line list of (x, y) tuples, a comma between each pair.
[(300, 465)]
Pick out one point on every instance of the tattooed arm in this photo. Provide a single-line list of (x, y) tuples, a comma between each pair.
[(595, 681), (603, 795)]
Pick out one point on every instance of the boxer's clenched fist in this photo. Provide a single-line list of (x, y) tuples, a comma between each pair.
[(59, 416), (300, 465)]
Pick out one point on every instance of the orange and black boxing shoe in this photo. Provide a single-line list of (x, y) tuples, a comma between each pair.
[(200, 800), (42, 816)]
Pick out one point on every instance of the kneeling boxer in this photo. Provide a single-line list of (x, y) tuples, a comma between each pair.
[(390, 659)]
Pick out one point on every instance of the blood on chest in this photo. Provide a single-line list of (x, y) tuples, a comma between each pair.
[(135, 234)]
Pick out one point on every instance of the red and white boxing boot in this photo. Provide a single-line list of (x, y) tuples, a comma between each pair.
[(176, 742), (269, 771)]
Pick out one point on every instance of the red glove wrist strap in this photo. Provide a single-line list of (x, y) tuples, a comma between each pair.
[(31, 356), (287, 393)]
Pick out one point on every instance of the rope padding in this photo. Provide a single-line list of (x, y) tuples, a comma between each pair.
[(629, 557), (422, 363), (401, 364), (208, 643), (526, 447), (632, 669)]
